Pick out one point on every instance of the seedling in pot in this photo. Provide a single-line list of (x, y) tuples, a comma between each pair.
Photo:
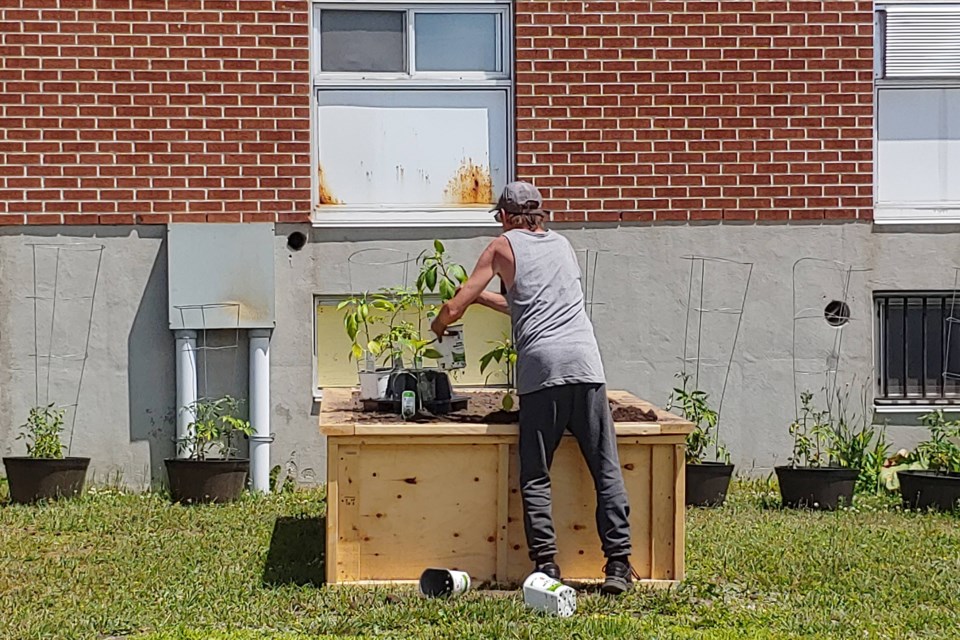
[(215, 425), (42, 433), (505, 355), (358, 317), (438, 274), (694, 406)]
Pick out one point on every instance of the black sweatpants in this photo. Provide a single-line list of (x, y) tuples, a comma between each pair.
[(544, 417)]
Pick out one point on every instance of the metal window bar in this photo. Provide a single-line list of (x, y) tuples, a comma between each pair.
[(918, 311)]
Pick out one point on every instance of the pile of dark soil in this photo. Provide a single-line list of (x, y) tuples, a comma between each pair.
[(485, 408)]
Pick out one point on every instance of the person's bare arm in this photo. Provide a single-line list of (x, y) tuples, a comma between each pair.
[(471, 291), (494, 301)]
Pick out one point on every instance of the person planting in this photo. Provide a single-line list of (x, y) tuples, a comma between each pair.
[(559, 377)]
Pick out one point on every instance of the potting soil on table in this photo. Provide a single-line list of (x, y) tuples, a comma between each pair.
[(483, 408)]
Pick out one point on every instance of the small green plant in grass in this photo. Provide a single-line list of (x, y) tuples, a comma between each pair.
[(215, 425), (694, 406), (505, 355), (42, 432)]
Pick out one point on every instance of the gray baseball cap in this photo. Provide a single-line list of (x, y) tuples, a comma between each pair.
[(518, 197)]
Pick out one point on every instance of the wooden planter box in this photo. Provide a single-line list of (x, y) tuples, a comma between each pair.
[(404, 497)]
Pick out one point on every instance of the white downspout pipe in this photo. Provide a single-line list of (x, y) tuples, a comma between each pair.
[(186, 385), (260, 409)]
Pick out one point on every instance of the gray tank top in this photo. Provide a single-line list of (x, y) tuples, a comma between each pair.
[(551, 331)]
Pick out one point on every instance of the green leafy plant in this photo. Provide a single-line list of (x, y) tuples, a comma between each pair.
[(359, 315), (838, 438), (438, 274), (505, 355), (940, 451), (694, 406), (42, 432), (807, 431), (379, 324), (215, 425), (402, 337)]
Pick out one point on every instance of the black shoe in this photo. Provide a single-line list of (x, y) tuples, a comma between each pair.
[(619, 577), (551, 569)]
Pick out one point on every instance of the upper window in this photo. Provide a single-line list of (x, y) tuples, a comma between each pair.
[(918, 348), (917, 71), (414, 112)]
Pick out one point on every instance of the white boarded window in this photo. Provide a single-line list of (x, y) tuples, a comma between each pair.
[(414, 112), (921, 41), (917, 154)]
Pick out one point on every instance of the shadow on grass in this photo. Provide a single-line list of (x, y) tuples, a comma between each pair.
[(297, 550)]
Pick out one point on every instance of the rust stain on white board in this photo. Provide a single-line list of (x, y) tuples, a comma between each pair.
[(471, 184)]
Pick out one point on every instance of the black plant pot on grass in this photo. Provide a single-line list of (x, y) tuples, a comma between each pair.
[(215, 480), (930, 489), (33, 479), (816, 487), (707, 483)]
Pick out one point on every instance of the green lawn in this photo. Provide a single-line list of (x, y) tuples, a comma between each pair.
[(111, 564)]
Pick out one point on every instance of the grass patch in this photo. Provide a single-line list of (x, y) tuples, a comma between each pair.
[(117, 564)]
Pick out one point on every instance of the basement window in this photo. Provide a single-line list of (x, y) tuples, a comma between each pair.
[(413, 112), (917, 85), (918, 348)]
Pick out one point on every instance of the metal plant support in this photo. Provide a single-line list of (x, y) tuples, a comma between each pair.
[(951, 320), (64, 288), (380, 259), (696, 310), (203, 344), (589, 262), (814, 314)]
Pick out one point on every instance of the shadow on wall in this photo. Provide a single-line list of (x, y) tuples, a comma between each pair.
[(296, 554), (151, 373)]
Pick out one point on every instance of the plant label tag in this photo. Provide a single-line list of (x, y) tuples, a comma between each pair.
[(454, 356)]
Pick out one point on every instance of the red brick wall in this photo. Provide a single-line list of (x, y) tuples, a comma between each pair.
[(122, 111), (689, 110)]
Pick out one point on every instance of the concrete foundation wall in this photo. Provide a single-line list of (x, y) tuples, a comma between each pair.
[(126, 416)]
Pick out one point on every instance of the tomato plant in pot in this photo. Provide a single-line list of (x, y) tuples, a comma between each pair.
[(44, 473), (210, 472), (936, 483), (706, 481), (359, 317), (834, 454), (505, 355)]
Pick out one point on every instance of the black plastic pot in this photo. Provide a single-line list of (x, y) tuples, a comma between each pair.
[(816, 487), (33, 479), (930, 489), (707, 483), (206, 480)]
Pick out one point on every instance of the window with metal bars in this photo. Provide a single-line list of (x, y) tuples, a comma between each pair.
[(918, 348)]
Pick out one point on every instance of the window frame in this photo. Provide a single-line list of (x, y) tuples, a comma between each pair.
[(917, 403), (899, 213), (401, 215)]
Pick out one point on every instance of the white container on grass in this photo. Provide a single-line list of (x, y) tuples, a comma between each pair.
[(444, 582), (543, 593)]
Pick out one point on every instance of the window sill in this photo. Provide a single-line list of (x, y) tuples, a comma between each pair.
[(915, 408), (914, 215), (337, 217)]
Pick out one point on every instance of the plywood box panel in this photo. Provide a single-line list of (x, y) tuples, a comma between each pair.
[(407, 497)]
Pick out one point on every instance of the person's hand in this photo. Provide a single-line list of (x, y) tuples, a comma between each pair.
[(439, 328)]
